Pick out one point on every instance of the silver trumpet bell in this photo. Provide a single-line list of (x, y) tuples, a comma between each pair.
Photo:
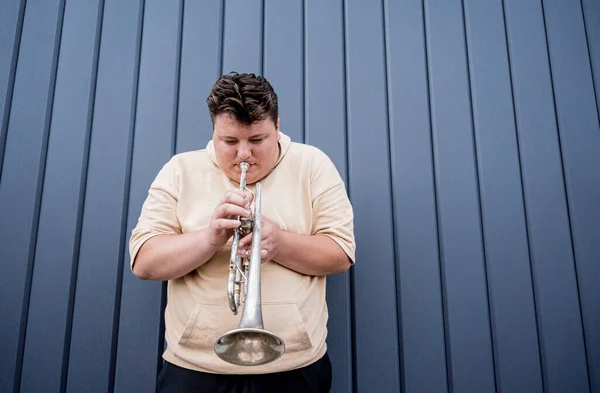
[(250, 344)]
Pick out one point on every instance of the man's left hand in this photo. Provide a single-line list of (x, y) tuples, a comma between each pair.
[(270, 241)]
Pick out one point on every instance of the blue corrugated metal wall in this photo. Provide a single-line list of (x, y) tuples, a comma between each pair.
[(467, 132)]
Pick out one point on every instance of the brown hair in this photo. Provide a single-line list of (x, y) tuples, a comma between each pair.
[(247, 97)]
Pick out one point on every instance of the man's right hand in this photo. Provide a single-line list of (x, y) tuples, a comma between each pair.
[(225, 216), (167, 257)]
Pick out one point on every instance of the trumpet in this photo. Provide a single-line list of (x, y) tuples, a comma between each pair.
[(250, 344)]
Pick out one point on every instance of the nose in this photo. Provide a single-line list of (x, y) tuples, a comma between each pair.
[(244, 151)]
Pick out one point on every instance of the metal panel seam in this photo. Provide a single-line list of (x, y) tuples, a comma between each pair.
[(38, 201), (353, 338), (566, 191), (479, 204), (443, 287), (11, 83), (82, 195), (396, 259), (587, 44), (125, 205), (526, 219)]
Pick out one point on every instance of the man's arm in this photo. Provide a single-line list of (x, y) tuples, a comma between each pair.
[(165, 257), (315, 255)]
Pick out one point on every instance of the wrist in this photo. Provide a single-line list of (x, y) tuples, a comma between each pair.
[(282, 245), (214, 240)]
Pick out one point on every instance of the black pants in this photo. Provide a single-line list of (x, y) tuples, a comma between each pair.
[(313, 378)]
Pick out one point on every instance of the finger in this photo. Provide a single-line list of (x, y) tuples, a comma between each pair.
[(246, 241), (223, 223), (244, 252), (235, 197), (229, 209), (249, 196)]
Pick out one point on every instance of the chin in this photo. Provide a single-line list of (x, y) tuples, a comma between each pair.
[(250, 180)]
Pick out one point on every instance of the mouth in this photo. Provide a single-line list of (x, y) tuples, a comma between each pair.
[(249, 171)]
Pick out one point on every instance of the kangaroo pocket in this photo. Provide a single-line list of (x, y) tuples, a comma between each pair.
[(207, 322)]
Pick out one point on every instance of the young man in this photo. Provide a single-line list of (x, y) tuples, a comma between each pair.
[(184, 233)]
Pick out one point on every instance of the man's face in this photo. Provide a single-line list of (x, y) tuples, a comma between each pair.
[(257, 144)]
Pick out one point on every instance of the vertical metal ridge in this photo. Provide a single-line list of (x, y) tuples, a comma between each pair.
[(125, 205), (10, 88), (566, 193), (81, 201), (263, 33), (174, 131), (589, 53), (176, 95), (38, 199), (467, 54), (391, 156), (443, 287), (304, 72), (587, 44), (525, 216), (354, 375), (220, 71)]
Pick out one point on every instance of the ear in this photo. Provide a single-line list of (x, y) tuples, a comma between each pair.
[(278, 132)]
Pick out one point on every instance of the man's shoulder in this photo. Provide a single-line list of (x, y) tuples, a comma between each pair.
[(190, 154), (190, 158), (187, 163), (315, 162), (307, 152)]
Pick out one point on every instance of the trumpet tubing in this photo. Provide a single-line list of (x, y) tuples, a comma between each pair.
[(250, 344)]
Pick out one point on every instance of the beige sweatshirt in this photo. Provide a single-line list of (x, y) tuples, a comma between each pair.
[(304, 194)]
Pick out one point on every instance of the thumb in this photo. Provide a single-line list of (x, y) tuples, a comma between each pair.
[(246, 240)]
